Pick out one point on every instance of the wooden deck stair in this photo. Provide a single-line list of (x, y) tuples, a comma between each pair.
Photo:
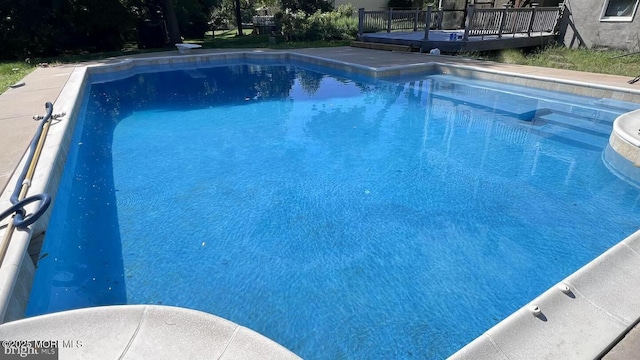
[(381, 46)]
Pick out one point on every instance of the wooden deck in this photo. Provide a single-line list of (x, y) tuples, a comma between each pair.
[(484, 29), (414, 41)]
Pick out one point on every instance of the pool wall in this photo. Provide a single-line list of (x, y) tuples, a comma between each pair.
[(598, 308)]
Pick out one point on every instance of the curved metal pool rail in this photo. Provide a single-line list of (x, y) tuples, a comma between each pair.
[(18, 199)]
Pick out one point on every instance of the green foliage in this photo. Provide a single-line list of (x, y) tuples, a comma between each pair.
[(224, 14), (269, 3), (41, 28), (24, 29), (337, 24), (92, 25), (400, 4), (37, 28), (193, 17), (152, 17), (228, 39), (306, 6)]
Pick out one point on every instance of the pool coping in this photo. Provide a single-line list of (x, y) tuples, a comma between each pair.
[(570, 320), (144, 332)]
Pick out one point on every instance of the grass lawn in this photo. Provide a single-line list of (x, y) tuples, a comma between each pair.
[(12, 72), (614, 62), (227, 39)]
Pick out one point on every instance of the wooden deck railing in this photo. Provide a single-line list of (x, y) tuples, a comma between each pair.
[(393, 20), (477, 22), (482, 22)]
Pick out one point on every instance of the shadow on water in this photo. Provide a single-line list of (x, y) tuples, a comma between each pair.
[(195, 89), (81, 259)]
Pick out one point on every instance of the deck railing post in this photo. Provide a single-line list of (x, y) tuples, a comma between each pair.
[(427, 21), (533, 17), (415, 20), (469, 21), (360, 21), (389, 20), (440, 13), (502, 20)]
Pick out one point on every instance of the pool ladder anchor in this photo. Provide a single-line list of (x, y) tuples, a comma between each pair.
[(536, 311)]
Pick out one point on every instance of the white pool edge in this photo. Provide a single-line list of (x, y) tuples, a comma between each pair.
[(599, 288), (601, 306), (144, 332), (45, 180)]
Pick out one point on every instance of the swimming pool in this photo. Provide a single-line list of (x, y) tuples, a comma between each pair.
[(338, 217)]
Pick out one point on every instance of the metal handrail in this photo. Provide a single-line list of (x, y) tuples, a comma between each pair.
[(18, 199)]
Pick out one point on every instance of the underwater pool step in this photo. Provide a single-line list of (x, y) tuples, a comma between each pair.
[(560, 102), (526, 108), (572, 137), (612, 105), (585, 116), (525, 112), (533, 115), (579, 125)]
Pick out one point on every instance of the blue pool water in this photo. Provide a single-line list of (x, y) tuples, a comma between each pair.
[(341, 218)]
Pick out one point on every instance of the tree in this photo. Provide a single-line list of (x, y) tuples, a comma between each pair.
[(46, 28), (194, 16), (225, 12), (238, 17), (269, 2), (25, 29), (32, 28), (172, 22)]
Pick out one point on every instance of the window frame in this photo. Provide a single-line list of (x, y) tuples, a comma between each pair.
[(604, 18)]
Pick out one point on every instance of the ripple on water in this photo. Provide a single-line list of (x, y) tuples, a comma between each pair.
[(152, 194)]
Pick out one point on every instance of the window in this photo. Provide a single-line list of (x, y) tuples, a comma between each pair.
[(619, 10)]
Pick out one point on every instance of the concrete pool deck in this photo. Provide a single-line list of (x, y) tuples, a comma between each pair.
[(45, 84)]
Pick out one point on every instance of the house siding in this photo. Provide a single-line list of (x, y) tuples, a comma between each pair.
[(581, 26)]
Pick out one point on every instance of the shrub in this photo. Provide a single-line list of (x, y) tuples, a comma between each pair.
[(345, 10), (294, 25), (308, 6), (337, 24)]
